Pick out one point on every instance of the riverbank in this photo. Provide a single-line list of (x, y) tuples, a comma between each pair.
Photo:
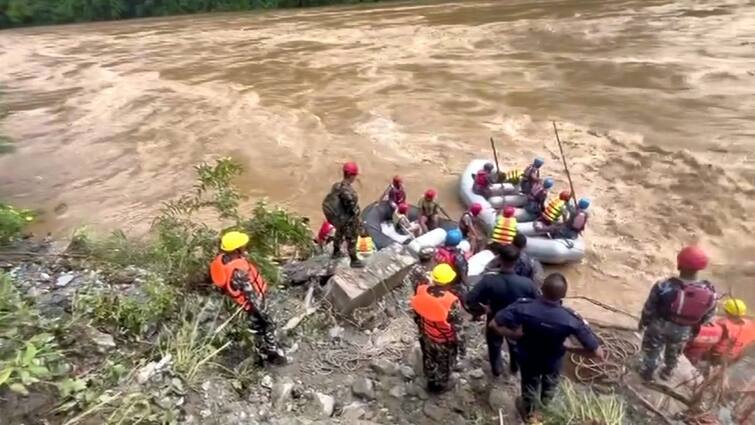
[(19, 13)]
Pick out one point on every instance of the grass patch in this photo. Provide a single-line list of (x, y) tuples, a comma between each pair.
[(12, 222), (574, 406)]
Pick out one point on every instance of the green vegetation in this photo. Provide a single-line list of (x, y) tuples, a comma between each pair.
[(575, 406), (12, 222), (41, 12)]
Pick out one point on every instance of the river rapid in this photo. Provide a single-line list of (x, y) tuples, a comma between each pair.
[(655, 102)]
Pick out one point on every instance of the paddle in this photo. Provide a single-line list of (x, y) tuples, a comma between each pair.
[(495, 157), (566, 167)]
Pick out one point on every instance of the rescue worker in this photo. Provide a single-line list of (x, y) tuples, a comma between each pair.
[(537, 196), (325, 235), (451, 254), (553, 213), (540, 326), (237, 277), (341, 208), (402, 223), (473, 228), (365, 245), (697, 351), (527, 266), (505, 227), (493, 293), (483, 179), (419, 271), (531, 176), (395, 193), (438, 316), (428, 210), (738, 333), (575, 223), (676, 307)]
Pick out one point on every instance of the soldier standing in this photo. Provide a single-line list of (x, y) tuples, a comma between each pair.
[(341, 208)]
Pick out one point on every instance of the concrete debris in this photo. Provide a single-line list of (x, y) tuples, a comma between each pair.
[(433, 411), (398, 391), (352, 288), (103, 340), (477, 373), (363, 388), (267, 382)]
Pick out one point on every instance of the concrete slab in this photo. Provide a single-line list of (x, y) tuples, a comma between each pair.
[(353, 288)]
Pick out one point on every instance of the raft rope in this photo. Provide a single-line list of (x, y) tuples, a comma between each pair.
[(618, 351)]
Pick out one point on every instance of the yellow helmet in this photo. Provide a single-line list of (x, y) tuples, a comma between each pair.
[(232, 241), (443, 274), (735, 307)]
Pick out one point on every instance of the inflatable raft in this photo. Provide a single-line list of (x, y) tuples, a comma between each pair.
[(542, 248), (378, 220)]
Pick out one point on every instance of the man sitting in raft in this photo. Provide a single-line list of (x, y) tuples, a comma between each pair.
[(428, 209), (575, 223), (402, 223), (537, 196), (487, 181), (531, 175), (395, 193), (553, 214)]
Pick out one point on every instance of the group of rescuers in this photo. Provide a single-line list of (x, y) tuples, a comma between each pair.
[(518, 304)]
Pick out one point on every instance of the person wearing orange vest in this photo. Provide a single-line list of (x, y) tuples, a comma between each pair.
[(238, 278), (698, 349), (554, 211), (505, 227), (738, 333), (437, 313)]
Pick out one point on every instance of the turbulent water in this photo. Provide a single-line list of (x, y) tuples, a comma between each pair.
[(655, 99)]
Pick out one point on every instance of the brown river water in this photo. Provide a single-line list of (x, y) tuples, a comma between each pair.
[(655, 101)]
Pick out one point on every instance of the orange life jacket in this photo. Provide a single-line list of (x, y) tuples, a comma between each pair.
[(433, 312), (737, 338), (504, 231), (553, 211), (710, 335), (222, 275)]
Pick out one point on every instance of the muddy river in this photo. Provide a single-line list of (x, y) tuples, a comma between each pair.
[(655, 101)]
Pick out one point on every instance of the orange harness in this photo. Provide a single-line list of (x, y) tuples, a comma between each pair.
[(222, 274)]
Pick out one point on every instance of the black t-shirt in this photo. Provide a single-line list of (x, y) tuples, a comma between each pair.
[(499, 290)]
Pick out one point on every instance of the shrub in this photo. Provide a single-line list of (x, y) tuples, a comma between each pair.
[(574, 406), (12, 222)]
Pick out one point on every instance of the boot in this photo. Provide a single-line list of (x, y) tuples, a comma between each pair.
[(276, 357), (647, 375), (337, 253), (356, 263), (665, 373)]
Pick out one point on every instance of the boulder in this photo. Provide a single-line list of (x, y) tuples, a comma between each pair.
[(326, 404), (352, 288), (353, 412), (384, 367), (363, 388), (281, 392)]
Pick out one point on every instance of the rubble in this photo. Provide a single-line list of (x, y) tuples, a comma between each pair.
[(384, 367), (281, 392), (363, 388), (353, 411)]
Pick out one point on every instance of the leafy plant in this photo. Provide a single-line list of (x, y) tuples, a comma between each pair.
[(575, 406), (12, 222)]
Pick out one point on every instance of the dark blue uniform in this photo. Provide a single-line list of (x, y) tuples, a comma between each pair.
[(545, 325), (498, 291)]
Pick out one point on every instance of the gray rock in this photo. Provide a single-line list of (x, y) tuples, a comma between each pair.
[(64, 279), (433, 411), (326, 404), (336, 332), (384, 367), (398, 391), (498, 399), (477, 373), (363, 388), (415, 359), (267, 382), (281, 392), (415, 390), (353, 412), (102, 339), (408, 372), (44, 277)]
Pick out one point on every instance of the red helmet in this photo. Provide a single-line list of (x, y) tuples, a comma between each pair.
[(403, 208), (565, 195), (397, 180), (430, 194), (509, 212), (350, 169), (475, 209), (692, 258)]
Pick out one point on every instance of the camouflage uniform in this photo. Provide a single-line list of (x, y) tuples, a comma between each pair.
[(347, 228), (662, 334), (416, 275), (260, 321), (439, 359)]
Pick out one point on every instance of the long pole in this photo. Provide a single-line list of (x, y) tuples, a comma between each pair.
[(566, 167), (495, 155)]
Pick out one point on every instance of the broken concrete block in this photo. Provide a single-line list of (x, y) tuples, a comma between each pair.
[(352, 288)]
